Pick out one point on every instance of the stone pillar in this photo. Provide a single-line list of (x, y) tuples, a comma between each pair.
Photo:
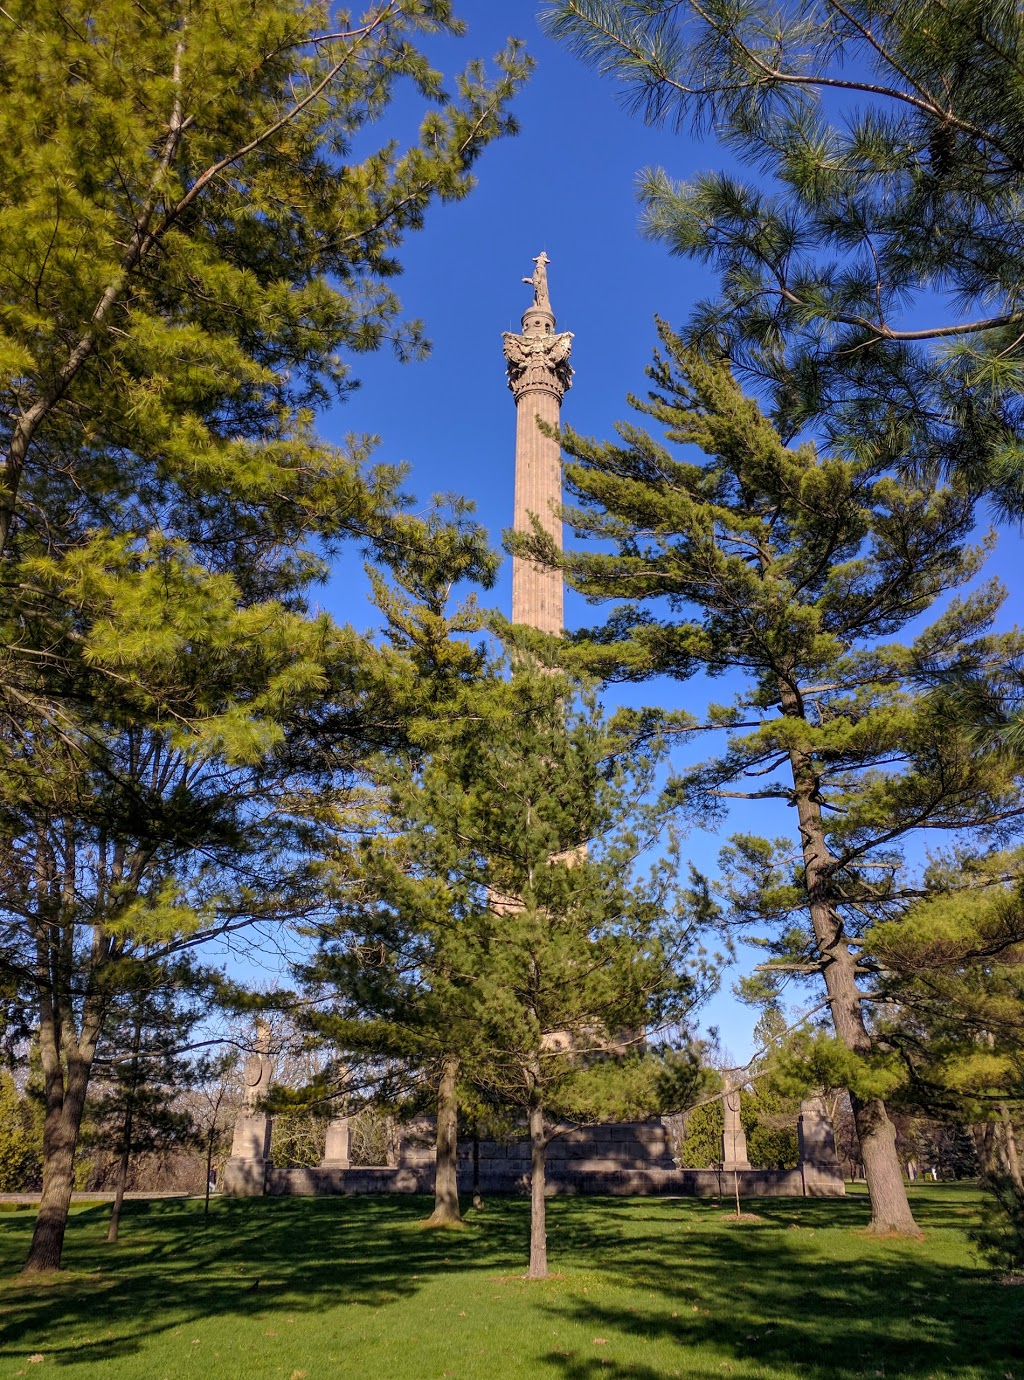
[(734, 1142), (819, 1163), (336, 1152), (393, 1143), (244, 1175), (539, 375)]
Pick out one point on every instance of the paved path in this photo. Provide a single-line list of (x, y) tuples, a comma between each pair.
[(33, 1198)]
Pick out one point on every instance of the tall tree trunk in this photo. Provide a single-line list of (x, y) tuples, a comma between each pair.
[(538, 1208), (890, 1208), (127, 1129), (478, 1201), (122, 1179), (446, 1184), (1009, 1147), (65, 1104)]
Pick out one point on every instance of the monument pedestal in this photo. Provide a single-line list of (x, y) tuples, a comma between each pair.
[(734, 1140), (244, 1175), (819, 1164), (336, 1147)]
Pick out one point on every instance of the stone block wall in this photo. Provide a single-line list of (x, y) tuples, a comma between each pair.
[(627, 1159), (623, 1159)]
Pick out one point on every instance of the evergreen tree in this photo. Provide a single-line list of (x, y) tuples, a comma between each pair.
[(139, 1072), (871, 274), (192, 251), (555, 957), (797, 571), (381, 955), (951, 974), (191, 255)]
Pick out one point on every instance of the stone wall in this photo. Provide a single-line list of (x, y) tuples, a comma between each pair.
[(562, 1181), (623, 1159)]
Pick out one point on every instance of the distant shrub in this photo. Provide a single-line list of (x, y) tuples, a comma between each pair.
[(21, 1140), (773, 1147), (1000, 1234), (701, 1143)]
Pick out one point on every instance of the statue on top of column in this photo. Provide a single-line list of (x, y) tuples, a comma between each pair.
[(539, 282)]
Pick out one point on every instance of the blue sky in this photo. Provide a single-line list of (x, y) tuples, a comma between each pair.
[(565, 185)]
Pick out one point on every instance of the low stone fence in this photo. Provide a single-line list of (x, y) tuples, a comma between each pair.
[(684, 1183), (621, 1158)]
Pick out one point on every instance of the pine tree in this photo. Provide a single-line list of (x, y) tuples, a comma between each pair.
[(491, 933), (888, 140), (140, 1070), (951, 977), (556, 957), (191, 256), (798, 571), (192, 251)]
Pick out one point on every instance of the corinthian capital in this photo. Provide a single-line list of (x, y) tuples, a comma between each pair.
[(539, 362)]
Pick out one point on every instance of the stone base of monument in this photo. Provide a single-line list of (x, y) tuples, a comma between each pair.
[(244, 1174), (243, 1178)]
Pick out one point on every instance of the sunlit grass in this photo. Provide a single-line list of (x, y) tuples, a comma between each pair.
[(643, 1288)]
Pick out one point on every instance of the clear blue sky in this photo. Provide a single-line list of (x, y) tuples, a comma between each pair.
[(566, 185)]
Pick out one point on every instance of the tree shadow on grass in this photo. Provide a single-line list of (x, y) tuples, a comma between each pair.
[(796, 1292), (173, 1268), (800, 1291)]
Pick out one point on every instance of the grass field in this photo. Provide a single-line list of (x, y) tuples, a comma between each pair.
[(330, 1289)]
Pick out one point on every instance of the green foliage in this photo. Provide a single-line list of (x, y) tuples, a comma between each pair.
[(1000, 1233), (701, 1143), (193, 250), (139, 1074), (888, 141), (772, 1147), (21, 1139), (803, 571), (193, 253)]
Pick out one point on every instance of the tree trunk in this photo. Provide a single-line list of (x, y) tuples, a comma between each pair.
[(1009, 1147), (129, 1119), (209, 1171), (122, 1179), (478, 1201), (65, 1104), (890, 1208), (538, 1221), (446, 1184)]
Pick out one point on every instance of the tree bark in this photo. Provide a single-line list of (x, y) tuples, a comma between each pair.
[(478, 1201), (446, 1184), (122, 1179), (1009, 1147), (129, 1126), (890, 1207), (66, 1057), (65, 1104), (538, 1208)]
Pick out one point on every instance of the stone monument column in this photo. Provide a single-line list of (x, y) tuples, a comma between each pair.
[(820, 1170), (336, 1146), (245, 1173), (734, 1141), (539, 375)]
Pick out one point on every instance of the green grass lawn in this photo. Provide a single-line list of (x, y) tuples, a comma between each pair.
[(329, 1289)]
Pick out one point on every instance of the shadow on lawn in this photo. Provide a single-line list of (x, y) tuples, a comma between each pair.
[(788, 1291), (784, 1293), (173, 1269)]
